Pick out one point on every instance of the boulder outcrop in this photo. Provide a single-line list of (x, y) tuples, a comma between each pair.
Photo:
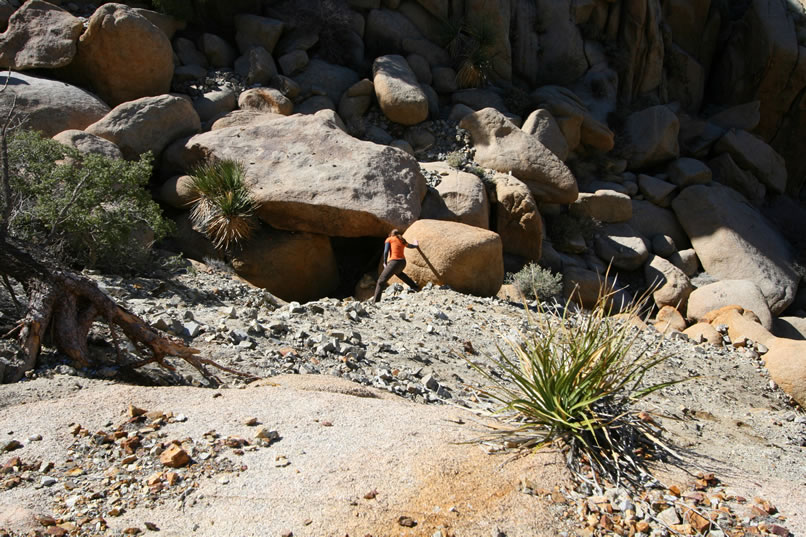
[(399, 95), (462, 197), (734, 241), (502, 146), (51, 107), (147, 124), (314, 177), (124, 56), (39, 36), (517, 219), (467, 258)]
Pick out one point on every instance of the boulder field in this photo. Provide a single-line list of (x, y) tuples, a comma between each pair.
[(588, 142)]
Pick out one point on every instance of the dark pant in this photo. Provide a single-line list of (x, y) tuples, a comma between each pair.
[(393, 268)]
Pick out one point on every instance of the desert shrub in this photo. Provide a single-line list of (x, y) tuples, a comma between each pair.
[(455, 159), (82, 209), (224, 208), (472, 47), (534, 281), (572, 377)]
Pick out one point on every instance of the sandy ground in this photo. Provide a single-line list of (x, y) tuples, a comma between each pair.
[(408, 453)]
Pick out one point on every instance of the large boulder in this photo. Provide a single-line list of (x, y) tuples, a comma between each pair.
[(542, 125), (753, 154), (640, 40), (215, 103), (502, 146), (39, 36), (218, 51), (651, 136), (323, 77), (253, 31), (517, 219), (790, 327), (124, 56), (312, 176), (688, 171), (51, 107), (786, 358), (649, 220), (671, 287), (178, 192), (265, 100), (725, 293), (147, 124), (399, 95), (562, 57), (88, 143), (727, 172), (603, 205), (293, 266), (622, 246), (786, 362), (462, 197), (467, 258), (256, 67), (734, 241)]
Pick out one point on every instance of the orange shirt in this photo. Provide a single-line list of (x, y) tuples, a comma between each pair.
[(397, 248)]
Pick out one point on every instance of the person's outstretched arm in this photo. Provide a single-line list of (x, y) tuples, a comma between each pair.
[(412, 244), (386, 249)]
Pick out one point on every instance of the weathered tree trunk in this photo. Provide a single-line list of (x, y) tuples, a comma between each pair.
[(65, 305)]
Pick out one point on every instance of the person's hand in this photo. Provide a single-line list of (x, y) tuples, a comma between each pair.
[(415, 243)]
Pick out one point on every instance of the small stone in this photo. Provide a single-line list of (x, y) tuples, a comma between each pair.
[(174, 457), (267, 435), (11, 445), (406, 521), (761, 348), (431, 383), (371, 495), (46, 520), (250, 422), (132, 531), (287, 533), (57, 531), (48, 481), (135, 411), (35, 438), (150, 526), (669, 516)]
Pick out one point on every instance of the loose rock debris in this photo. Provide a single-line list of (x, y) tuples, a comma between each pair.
[(131, 465)]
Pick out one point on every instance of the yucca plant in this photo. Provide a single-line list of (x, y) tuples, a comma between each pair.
[(224, 209), (572, 377)]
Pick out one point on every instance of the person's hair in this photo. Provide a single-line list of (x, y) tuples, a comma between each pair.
[(394, 233)]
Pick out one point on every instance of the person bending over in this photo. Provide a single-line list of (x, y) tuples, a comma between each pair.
[(394, 261)]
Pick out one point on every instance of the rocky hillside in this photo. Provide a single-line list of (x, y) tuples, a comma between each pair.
[(655, 137), (328, 443)]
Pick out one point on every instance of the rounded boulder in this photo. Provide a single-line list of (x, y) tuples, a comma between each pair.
[(467, 258)]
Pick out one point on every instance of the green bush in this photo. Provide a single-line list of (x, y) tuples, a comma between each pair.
[(82, 209), (572, 377), (534, 281), (225, 208), (472, 48), (455, 159)]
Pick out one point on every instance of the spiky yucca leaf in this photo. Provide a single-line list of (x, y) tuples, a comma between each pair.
[(573, 377), (224, 208)]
